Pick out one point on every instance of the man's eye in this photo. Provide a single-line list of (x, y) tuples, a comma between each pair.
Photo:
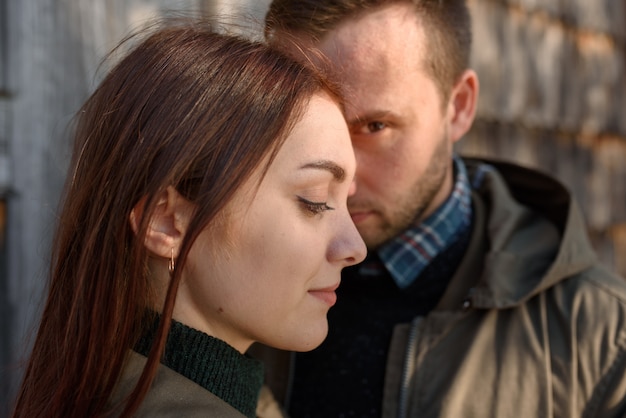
[(367, 128), (314, 208), (376, 126)]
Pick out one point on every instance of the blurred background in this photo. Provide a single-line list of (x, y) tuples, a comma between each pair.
[(553, 96)]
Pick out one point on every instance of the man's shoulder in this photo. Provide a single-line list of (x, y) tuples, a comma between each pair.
[(594, 302), (597, 282)]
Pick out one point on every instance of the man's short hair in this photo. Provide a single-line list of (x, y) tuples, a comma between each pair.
[(446, 24)]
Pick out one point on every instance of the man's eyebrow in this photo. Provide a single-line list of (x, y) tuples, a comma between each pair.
[(369, 117), (338, 173)]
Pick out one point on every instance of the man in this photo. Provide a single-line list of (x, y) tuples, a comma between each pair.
[(480, 296)]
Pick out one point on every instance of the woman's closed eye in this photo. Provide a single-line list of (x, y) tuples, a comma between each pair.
[(314, 208)]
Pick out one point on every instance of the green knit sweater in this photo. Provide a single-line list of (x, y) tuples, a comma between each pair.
[(211, 363)]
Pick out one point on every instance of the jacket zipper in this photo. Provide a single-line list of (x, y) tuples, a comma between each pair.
[(409, 366)]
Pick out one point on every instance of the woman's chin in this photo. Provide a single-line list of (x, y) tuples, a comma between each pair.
[(305, 339)]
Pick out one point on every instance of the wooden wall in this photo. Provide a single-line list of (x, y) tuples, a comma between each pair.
[(553, 96)]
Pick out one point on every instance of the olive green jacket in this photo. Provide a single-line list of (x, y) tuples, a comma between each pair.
[(173, 395), (529, 326)]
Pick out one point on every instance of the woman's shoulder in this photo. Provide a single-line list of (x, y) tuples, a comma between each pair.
[(171, 394)]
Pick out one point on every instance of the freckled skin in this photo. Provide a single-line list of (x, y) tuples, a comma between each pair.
[(399, 124)]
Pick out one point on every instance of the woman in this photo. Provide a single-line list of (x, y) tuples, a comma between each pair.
[(205, 210)]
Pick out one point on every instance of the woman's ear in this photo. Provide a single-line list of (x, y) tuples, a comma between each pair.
[(167, 224), (462, 104)]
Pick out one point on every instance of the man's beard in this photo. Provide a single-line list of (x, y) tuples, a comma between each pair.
[(412, 205)]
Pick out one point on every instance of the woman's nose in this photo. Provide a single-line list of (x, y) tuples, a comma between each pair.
[(349, 247)]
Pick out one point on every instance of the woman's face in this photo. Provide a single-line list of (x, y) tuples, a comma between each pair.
[(272, 278)]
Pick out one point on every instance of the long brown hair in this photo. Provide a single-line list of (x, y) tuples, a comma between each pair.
[(187, 107)]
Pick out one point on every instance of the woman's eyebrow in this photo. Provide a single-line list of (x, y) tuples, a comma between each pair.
[(338, 173)]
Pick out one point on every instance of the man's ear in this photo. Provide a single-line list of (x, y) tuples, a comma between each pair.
[(167, 224), (462, 104)]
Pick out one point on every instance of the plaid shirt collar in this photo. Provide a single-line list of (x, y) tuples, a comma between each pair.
[(409, 253)]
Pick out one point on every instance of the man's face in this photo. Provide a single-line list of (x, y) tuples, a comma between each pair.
[(398, 122)]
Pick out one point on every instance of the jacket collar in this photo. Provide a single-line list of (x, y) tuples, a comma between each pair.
[(528, 235)]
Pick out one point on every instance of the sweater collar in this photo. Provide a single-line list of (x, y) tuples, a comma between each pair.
[(211, 363)]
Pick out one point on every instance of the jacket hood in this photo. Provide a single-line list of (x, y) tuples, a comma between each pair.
[(533, 230)]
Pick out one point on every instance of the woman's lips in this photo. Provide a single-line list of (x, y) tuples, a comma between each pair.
[(326, 295)]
